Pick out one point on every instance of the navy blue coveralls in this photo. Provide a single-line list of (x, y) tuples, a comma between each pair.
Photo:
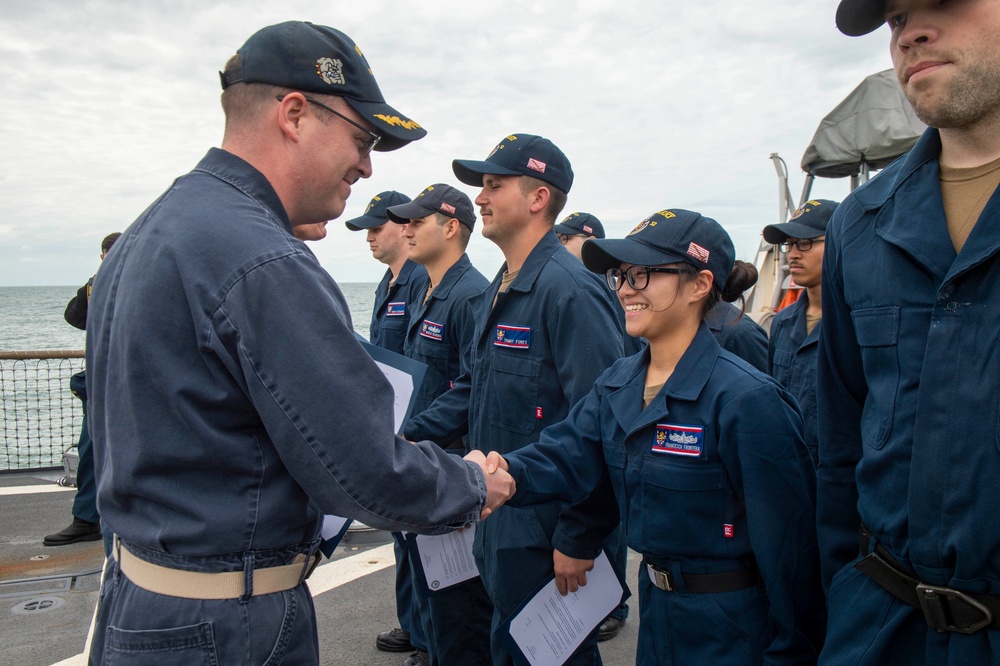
[(390, 320), (711, 477), (739, 334), (791, 359), (393, 304), (442, 330), (231, 406), (909, 379), (537, 352)]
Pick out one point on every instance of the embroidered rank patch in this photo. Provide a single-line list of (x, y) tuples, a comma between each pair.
[(515, 337), (432, 330), (397, 309), (727, 531), (678, 440)]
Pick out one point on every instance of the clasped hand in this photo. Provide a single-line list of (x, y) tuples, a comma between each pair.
[(500, 485)]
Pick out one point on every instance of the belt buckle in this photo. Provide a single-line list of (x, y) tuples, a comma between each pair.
[(661, 579), (932, 602)]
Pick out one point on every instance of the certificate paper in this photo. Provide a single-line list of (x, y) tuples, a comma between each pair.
[(550, 627), (447, 559)]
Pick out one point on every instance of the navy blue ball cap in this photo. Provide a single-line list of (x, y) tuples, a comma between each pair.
[(859, 17), (667, 237), (436, 198), (809, 221), (375, 214), (318, 59), (580, 224), (520, 155)]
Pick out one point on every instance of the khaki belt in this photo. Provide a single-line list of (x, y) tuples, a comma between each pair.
[(200, 585)]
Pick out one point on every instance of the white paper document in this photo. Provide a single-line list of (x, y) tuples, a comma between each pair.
[(550, 626), (402, 388), (447, 559)]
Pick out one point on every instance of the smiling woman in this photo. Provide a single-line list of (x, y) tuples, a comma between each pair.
[(705, 457)]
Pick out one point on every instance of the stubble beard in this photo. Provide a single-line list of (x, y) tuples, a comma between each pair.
[(972, 95)]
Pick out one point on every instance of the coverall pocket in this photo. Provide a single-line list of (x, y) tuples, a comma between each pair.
[(435, 356), (683, 508), (193, 645), (514, 396), (743, 616), (877, 332)]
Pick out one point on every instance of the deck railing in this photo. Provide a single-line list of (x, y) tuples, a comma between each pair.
[(41, 418)]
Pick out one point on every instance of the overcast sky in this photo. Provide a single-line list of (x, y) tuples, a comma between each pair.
[(657, 104)]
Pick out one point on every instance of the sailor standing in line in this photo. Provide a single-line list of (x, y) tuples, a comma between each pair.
[(439, 223), (545, 329), (794, 339), (401, 289), (909, 360), (705, 456)]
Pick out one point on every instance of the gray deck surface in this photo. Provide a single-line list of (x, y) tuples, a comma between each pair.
[(48, 595)]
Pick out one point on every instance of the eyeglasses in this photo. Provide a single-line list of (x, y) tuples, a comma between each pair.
[(637, 276), (366, 148), (563, 238), (802, 244)]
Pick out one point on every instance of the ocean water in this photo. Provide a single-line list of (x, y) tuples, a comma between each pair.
[(31, 318), (40, 417)]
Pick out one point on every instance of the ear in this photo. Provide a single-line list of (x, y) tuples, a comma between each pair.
[(451, 228), (701, 286), (291, 112), (539, 199)]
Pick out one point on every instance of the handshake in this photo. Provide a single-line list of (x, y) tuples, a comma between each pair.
[(500, 485)]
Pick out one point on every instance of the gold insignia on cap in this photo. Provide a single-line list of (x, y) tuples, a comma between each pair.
[(396, 120), (331, 70), (639, 227), (666, 214)]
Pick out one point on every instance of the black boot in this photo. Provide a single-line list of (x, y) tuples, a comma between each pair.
[(78, 530)]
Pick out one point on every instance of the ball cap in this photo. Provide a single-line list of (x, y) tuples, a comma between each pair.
[(520, 155), (375, 212), (668, 237), (859, 17), (580, 224), (809, 221), (436, 198), (318, 59)]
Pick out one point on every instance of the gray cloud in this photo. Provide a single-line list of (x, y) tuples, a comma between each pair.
[(656, 104)]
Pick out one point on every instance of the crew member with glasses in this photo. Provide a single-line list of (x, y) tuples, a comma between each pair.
[(705, 456), (792, 347)]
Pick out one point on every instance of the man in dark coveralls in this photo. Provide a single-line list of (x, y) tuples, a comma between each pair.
[(232, 405), (909, 360), (545, 329)]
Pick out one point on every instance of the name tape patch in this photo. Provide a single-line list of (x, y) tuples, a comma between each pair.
[(432, 330), (514, 337), (396, 309), (678, 440)]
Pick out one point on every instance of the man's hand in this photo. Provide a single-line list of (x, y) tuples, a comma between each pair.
[(571, 573), (495, 461), (500, 485)]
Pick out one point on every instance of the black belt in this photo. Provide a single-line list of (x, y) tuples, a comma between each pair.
[(945, 609), (730, 581)]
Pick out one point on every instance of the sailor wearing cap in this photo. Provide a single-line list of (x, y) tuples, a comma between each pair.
[(791, 350), (404, 282), (438, 224), (545, 329), (705, 456), (231, 404), (909, 359)]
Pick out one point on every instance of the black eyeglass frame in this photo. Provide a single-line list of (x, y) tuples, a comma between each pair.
[(801, 244), (373, 138), (613, 276)]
